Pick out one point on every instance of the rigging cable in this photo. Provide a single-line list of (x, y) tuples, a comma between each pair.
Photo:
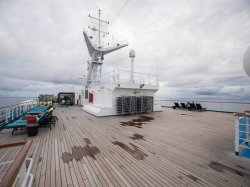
[(125, 4)]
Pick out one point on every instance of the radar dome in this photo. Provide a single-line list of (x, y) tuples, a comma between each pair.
[(246, 62), (132, 54)]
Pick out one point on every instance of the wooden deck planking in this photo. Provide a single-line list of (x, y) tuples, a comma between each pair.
[(180, 146), (148, 175), (114, 162), (94, 171)]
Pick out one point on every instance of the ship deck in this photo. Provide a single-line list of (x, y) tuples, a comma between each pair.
[(169, 148)]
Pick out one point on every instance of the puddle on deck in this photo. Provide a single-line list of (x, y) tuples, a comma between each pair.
[(67, 157), (221, 168), (79, 152), (138, 122), (87, 140), (191, 177), (135, 152), (137, 137), (40, 159)]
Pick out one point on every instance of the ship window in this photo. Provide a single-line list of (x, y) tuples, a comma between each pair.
[(86, 94)]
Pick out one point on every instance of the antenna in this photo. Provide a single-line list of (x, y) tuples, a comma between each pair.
[(99, 26), (132, 57), (97, 53)]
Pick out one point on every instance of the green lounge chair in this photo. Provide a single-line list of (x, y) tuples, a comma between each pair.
[(21, 123)]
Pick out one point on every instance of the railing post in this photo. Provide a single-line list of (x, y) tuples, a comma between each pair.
[(236, 149), (118, 78), (6, 116), (247, 130), (22, 173), (12, 113)]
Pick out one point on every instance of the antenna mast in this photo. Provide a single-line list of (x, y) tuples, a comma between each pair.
[(97, 52), (99, 27)]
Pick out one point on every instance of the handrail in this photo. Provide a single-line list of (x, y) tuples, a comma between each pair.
[(12, 172), (241, 114), (186, 100), (124, 76), (11, 113), (12, 144), (229, 106), (21, 103)]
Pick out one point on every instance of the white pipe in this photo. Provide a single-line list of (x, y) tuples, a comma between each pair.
[(132, 71)]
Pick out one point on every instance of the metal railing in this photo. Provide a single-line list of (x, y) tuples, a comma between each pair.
[(18, 166), (13, 112), (242, 133), (219, 106), (122, 76)]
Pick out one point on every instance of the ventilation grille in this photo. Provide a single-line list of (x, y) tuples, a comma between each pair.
[(126, 105)]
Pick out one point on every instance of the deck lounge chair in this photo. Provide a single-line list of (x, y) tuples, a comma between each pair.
[(19, 124), (50, 119), (38, 110), (176, 106), (43, 122), (184, 106), (199, 107), (192, 107)]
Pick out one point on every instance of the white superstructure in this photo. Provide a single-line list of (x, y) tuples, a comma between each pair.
[(101, 91)]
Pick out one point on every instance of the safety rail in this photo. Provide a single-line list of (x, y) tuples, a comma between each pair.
[(242, 133), (123, 76), (18, 166), (219, 106), (13, 112)]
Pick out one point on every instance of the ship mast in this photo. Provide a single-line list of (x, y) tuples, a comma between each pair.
[(97, 52), (99, 27)]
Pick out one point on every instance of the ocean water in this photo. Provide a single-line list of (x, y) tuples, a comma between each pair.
[(7, 101), (225, 105), (220, 105)]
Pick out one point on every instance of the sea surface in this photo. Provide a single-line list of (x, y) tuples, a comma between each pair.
[(221, 105), (226, 105), (7, 101)]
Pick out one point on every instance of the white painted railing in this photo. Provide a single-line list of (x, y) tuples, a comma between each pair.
[(25, 176), (20, 168), (122, 76), (218, 106), (10, 113), (242, 134)]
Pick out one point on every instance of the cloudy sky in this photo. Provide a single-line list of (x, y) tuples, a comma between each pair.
[(197, 46)]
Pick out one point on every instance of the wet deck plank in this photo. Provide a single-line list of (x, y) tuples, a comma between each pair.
[(175, 148)]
